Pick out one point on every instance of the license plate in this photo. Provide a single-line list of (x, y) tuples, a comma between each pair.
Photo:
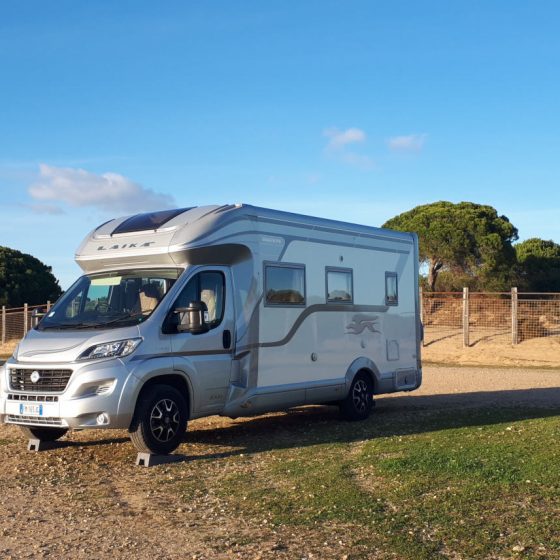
[(31, 409)]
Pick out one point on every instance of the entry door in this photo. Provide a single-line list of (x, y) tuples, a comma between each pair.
[(208, 354)]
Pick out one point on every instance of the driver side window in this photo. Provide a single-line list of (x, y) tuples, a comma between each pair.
[(209, 288)]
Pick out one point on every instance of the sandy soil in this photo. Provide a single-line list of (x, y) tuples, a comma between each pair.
[(492, 350), (86, 499)]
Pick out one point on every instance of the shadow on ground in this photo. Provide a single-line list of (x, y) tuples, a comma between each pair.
[(393, 416)]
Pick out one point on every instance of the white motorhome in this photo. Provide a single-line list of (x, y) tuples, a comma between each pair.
[(232, 310)]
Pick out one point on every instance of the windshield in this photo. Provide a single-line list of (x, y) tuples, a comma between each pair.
[(114, 299)]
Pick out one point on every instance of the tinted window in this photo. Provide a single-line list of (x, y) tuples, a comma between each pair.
[(151, 220), (391, 289), (285, 285), (339, 286), (207, 287)]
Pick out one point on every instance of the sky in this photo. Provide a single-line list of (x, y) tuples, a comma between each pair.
[(355, 110)]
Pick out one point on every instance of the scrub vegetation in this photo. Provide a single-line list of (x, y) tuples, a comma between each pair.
[(25, 279)]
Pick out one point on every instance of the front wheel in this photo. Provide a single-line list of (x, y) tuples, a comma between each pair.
[(160, 420), (358, 403), (43, 434)]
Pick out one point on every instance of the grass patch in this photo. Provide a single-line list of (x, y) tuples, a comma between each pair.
[(469, 484)]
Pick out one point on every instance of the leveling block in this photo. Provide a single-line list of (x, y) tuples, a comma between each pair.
[(40, 445), (142, 459), (151, 460)]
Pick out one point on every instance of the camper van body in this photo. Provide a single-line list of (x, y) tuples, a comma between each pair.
[(304, 306)]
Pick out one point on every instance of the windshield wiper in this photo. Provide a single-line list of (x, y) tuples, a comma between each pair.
[(100, 325), (70, 326), (124, 317)]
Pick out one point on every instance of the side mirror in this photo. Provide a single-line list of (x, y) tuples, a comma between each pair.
[(192, 318)]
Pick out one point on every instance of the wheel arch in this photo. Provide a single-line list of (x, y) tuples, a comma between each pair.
[(176, 379), (367, 366)]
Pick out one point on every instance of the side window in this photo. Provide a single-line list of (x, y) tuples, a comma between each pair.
[(391, 289), (208, 287), (339, 285), (284, 284)]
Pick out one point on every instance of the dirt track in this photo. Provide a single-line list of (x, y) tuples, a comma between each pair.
[(87, 499)]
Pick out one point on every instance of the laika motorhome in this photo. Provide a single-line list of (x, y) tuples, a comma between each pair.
[(232, 310)]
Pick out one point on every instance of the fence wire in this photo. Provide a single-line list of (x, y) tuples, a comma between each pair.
[(16, 321), (465, 318), (509, 317)]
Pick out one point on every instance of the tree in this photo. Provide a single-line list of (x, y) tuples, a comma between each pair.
[(465, 239), (25, 279), (538, 265)]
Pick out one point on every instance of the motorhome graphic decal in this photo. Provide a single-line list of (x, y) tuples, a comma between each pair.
[(361, 322)]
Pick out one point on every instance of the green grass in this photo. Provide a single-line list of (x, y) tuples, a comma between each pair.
[(476, 484)]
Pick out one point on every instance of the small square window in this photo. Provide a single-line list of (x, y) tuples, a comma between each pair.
[(391, 289), (339, 285), (284, 284)]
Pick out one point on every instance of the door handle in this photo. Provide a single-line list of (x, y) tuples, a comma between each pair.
[(226, 339)]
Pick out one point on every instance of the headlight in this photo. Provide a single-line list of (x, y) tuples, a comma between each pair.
[(119, 348)]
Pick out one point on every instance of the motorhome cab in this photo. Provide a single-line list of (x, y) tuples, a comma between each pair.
[(231, 310)]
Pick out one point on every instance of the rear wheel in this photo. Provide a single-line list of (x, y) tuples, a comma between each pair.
[(160, 420), (358, 403), (43, 434)]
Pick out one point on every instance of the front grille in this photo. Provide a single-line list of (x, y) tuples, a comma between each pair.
[(49, 381), (33, 398), (34, 420)]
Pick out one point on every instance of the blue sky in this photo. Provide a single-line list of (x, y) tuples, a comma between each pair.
[(353, 110)]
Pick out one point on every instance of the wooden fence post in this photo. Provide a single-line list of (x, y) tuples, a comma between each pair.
[(48, 306), (465, 317), (3, 324), (514, 336), (25, 319)]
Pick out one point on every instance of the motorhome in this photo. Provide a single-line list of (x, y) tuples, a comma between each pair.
[(232, 310)]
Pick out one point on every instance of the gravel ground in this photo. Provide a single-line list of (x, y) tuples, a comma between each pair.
[(86, 498)]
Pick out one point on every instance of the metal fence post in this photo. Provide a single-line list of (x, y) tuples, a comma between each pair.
[(514, 337), (3, 324), (465, 317), (25, 319)]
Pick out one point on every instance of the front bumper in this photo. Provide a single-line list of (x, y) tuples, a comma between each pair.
[(104, 387)]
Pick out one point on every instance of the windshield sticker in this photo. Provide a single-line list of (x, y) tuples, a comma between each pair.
[(110, 281)]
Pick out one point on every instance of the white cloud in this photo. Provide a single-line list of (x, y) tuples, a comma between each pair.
[(109, 191), (409, 143), (357, 160), (337, 147), (50, 209), (341, 138)]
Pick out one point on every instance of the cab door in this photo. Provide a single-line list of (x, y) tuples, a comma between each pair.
[(206, 357)]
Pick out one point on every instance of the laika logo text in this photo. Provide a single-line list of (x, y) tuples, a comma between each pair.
[(125, 246)]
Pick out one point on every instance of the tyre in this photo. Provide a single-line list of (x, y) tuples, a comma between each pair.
[(160, 420), (43, 434), (358, 403)]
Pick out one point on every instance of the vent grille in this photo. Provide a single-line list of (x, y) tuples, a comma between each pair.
[(34, 420), (32, 398), (48, 380)]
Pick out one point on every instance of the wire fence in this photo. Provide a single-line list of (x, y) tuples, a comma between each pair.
[(468, 317), (511, 317), (16, 321)]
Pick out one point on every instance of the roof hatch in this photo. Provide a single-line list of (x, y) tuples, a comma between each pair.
[(148, 221)]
